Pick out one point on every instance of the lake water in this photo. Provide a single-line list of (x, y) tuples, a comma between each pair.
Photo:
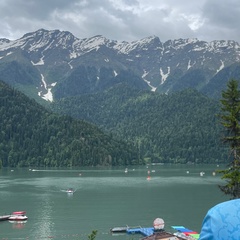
[(105, 198)]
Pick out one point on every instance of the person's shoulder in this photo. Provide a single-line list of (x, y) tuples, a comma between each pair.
[(229, 203), (226, 205), (221, 221)]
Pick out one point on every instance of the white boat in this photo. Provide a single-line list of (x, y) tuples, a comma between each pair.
[(70, 190), (18, 216), (4, 217)]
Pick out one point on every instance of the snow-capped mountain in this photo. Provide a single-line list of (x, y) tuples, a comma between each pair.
[(55, 64)]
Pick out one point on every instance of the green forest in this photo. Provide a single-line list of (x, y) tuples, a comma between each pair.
[(31, 136), (182, 127), (120, 126)]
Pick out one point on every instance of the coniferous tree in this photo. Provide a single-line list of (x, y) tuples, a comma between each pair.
[(230, 119)]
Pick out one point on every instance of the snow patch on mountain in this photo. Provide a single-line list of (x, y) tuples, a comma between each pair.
[(145, 73), (83, 46), (73, 55), (9, 53), (164, 76), (47, 96), (221, 67), (181, 43), (7, 45), (126, 47), (40, 62), (69, 63), (190, 64)]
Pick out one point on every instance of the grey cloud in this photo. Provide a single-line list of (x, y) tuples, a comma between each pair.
[(222, 13), (222, 19), (123, 19), (33, 9)]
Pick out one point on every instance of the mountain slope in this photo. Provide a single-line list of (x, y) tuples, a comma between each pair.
[(177, 128), (32, 136), (219, 82), (63, 62)]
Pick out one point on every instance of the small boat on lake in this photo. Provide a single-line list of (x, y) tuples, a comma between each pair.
[(4, 217), (119, 229), (18, 216), (70, 190)]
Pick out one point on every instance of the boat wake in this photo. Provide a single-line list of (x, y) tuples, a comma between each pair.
[(69, 190)]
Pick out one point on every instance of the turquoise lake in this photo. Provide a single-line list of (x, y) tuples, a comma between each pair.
[(105, 198)]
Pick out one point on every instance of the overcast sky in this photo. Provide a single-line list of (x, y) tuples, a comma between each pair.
[(127, 20)]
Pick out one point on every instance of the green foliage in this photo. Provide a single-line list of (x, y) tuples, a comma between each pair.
[(176, 128), (93, 235), (32, 136), (232, 177), (230, 120)]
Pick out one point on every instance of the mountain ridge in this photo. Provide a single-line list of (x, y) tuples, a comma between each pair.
[(162, 66)]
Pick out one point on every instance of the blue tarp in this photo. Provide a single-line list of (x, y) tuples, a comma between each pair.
[(182, 229), (143, 231)]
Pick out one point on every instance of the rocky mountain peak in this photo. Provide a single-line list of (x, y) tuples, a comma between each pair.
[(164, 66)]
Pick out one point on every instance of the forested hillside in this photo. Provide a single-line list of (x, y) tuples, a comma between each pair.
[(177, 128), (32, 136)]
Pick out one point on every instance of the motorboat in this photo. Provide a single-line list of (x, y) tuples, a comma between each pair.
[(4, 217), (70, 190), (18, 216)]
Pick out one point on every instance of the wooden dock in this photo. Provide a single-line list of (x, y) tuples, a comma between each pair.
[(150, 233), (163, 236), (145, 231)]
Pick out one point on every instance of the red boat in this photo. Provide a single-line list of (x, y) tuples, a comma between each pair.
[(18, 216)]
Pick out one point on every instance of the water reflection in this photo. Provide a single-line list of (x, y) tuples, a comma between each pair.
[(18, 224), (44, 226)]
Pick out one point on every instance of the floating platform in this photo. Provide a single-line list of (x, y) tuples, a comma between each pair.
[(186, 231), (134, 230), (163, 236), (144, 231), (150, 233)]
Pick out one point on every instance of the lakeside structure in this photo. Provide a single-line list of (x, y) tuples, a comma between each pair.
[(157, 232)]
